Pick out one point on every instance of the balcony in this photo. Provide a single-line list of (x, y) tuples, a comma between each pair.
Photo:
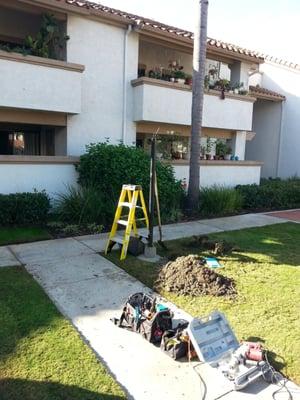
[(166, 102), (40, 84)]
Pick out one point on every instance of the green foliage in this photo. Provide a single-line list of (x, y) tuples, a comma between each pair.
[(46, 43), (222, 148), (84, 205), (179, 74), (24, 208), (108, 167), (47, 40), (271, 194), (219, 200)]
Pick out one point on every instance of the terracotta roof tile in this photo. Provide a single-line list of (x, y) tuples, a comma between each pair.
[(141, 21), (260, 92), (282, 62)]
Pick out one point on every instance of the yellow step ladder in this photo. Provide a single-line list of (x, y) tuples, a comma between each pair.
[(130, 195)]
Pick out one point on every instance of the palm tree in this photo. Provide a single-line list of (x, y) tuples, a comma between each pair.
[(199, 57)]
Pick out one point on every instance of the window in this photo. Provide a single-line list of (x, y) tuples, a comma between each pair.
[(26, 141)]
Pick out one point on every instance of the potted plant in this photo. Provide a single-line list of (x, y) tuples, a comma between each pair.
[(208, 149), (206, 82), (202, 152), (172, 76), (221, 149), (228, 153), (188, 79), (180, 76), (237, 86), (231, 89)]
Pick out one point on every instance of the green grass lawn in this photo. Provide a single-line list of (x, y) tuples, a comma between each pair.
[(266, 269), (42, 357), (12, 235)]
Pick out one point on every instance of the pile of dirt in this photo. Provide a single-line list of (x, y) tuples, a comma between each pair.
[(188, 275)]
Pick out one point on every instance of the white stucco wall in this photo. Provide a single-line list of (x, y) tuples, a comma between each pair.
[(223, 175), (287, 82), (39, 87), (168, 105), (100, 47), (265, 144), (53, 178)]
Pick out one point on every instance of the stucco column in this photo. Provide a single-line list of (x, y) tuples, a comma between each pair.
[(238, 143), (239, 73)]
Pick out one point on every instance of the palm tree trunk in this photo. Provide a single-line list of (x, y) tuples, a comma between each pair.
[(199, 58)]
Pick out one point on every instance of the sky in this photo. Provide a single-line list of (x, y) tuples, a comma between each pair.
[(269, 26)]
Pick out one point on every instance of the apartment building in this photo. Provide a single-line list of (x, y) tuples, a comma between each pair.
[(118, 78)]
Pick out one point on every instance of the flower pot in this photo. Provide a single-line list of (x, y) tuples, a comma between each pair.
[(181, 81), (236, 91), (172, 80), (208, 156), (227, 157)]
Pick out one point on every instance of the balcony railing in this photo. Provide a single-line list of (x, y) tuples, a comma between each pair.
[(35, 83), (166, 102)]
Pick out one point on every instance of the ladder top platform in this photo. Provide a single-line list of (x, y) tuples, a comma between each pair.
[(132, 187)]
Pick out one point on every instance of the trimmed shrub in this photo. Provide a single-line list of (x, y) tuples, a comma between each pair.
[(84, 205), (271, 194), (219, 200), (24, 208), (108, 167)]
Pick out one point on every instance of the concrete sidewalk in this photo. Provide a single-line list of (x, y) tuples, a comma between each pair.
[(188, 229), (89, 290)]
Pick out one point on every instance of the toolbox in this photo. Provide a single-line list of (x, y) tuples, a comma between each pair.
[(216, 344)]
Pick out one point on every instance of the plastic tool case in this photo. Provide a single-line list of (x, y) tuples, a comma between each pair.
[(215, 343)]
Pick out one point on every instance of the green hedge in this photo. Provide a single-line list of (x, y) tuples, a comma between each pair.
[(271, 194), (219, 200), (24, 208), (107, 167), (84, 205)]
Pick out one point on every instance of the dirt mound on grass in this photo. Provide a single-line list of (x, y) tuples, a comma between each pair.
[(188, 275)]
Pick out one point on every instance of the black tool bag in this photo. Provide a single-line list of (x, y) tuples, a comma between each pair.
[(173, 344), (141, 315)]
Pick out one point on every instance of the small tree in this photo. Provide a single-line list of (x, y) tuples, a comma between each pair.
[(199, 58)]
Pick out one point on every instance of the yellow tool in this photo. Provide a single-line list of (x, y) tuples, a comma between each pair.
[(130, 195)]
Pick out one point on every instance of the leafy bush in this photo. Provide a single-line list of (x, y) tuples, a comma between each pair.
[(24, 208), (108, 167), (84, 205), (271, 194), (219, 200)]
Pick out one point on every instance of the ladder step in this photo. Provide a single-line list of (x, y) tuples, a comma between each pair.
[(122, 222), (132, 188), (125, 223), (127, 204), (117, 239)]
